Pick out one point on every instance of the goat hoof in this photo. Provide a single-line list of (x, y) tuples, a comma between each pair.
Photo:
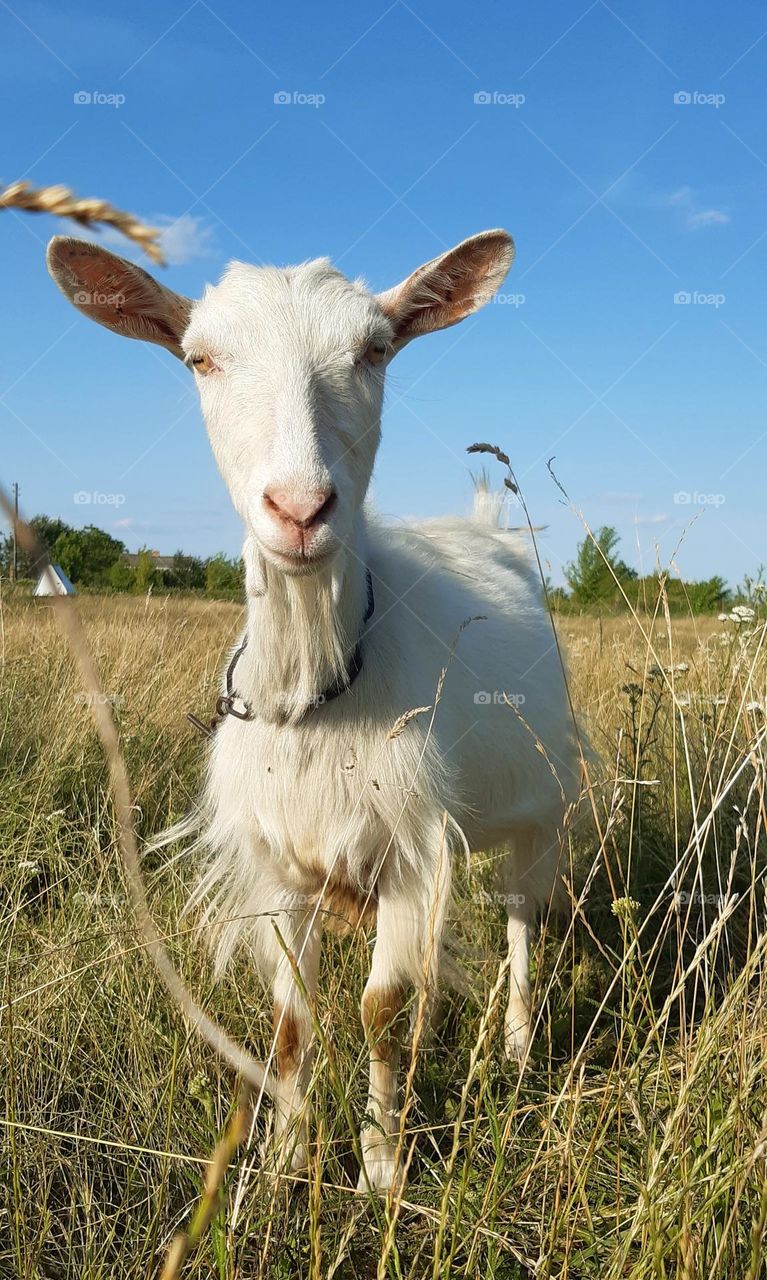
[(380, 1174), (286, 1153), (297, 1160), (517, 1035)]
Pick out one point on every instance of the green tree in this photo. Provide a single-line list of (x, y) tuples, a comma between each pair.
[(709, 596), (145, 575), (594, 575), (224, 577), (187, 574), (86, 554), (47, 530), (121, 576), (69, 550)]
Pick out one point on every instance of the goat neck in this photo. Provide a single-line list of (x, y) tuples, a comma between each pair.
[(302, 631)]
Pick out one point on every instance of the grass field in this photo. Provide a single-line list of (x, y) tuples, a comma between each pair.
[(633, 1144)]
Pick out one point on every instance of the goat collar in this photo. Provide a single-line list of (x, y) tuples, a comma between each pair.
[(227, 704)]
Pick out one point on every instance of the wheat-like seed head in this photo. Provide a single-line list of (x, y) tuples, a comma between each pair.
[(63, 203)]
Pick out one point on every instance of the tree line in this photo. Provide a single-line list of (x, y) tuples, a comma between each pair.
[(92, 559), (597, 579)]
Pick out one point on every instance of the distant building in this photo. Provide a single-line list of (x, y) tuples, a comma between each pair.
[(53, 582), (158, 562)]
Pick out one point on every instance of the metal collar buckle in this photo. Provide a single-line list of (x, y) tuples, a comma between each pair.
[(225, 704)]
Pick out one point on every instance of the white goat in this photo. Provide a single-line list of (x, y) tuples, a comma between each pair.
[(313, 810)]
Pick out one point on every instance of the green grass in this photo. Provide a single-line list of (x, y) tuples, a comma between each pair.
[(632, 1145)]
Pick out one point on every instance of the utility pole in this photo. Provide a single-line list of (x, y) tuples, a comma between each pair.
[(15, 560)]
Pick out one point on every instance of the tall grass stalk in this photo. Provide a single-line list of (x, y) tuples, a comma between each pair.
[(632, 1143)]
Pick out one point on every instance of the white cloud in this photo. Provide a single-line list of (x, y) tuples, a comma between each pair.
[(659, 517), (620, 495), (128, 522), (183, 239), (707, 218), (688, 202)]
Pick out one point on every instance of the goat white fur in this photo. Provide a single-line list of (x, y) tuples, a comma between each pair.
[(314, 813)]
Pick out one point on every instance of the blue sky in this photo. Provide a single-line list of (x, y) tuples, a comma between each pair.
[(620, 199)]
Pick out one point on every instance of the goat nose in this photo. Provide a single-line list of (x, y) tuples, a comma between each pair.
[(301, 509)]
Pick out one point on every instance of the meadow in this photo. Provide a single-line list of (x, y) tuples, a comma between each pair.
[(632, 1144)]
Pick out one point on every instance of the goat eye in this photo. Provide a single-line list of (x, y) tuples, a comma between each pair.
[(375, 352), (201, 364)]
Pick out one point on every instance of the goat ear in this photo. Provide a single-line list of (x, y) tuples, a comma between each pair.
[(118, 294), (448, 288)]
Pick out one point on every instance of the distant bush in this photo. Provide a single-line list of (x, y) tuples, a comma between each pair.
[(87, 555), (188, 573), (121, 576), (709, 596), (224, 577), (596, 575), (600, 582), (95, 561)]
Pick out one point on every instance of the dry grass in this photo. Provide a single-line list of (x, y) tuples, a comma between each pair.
[(632, 1145)]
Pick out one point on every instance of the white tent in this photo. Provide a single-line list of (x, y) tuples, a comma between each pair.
[(54, 582)]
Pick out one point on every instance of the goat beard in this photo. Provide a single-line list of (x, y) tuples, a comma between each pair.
[(301, 634)]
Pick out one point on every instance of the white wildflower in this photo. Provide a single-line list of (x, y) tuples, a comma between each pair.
[(679, 668)]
